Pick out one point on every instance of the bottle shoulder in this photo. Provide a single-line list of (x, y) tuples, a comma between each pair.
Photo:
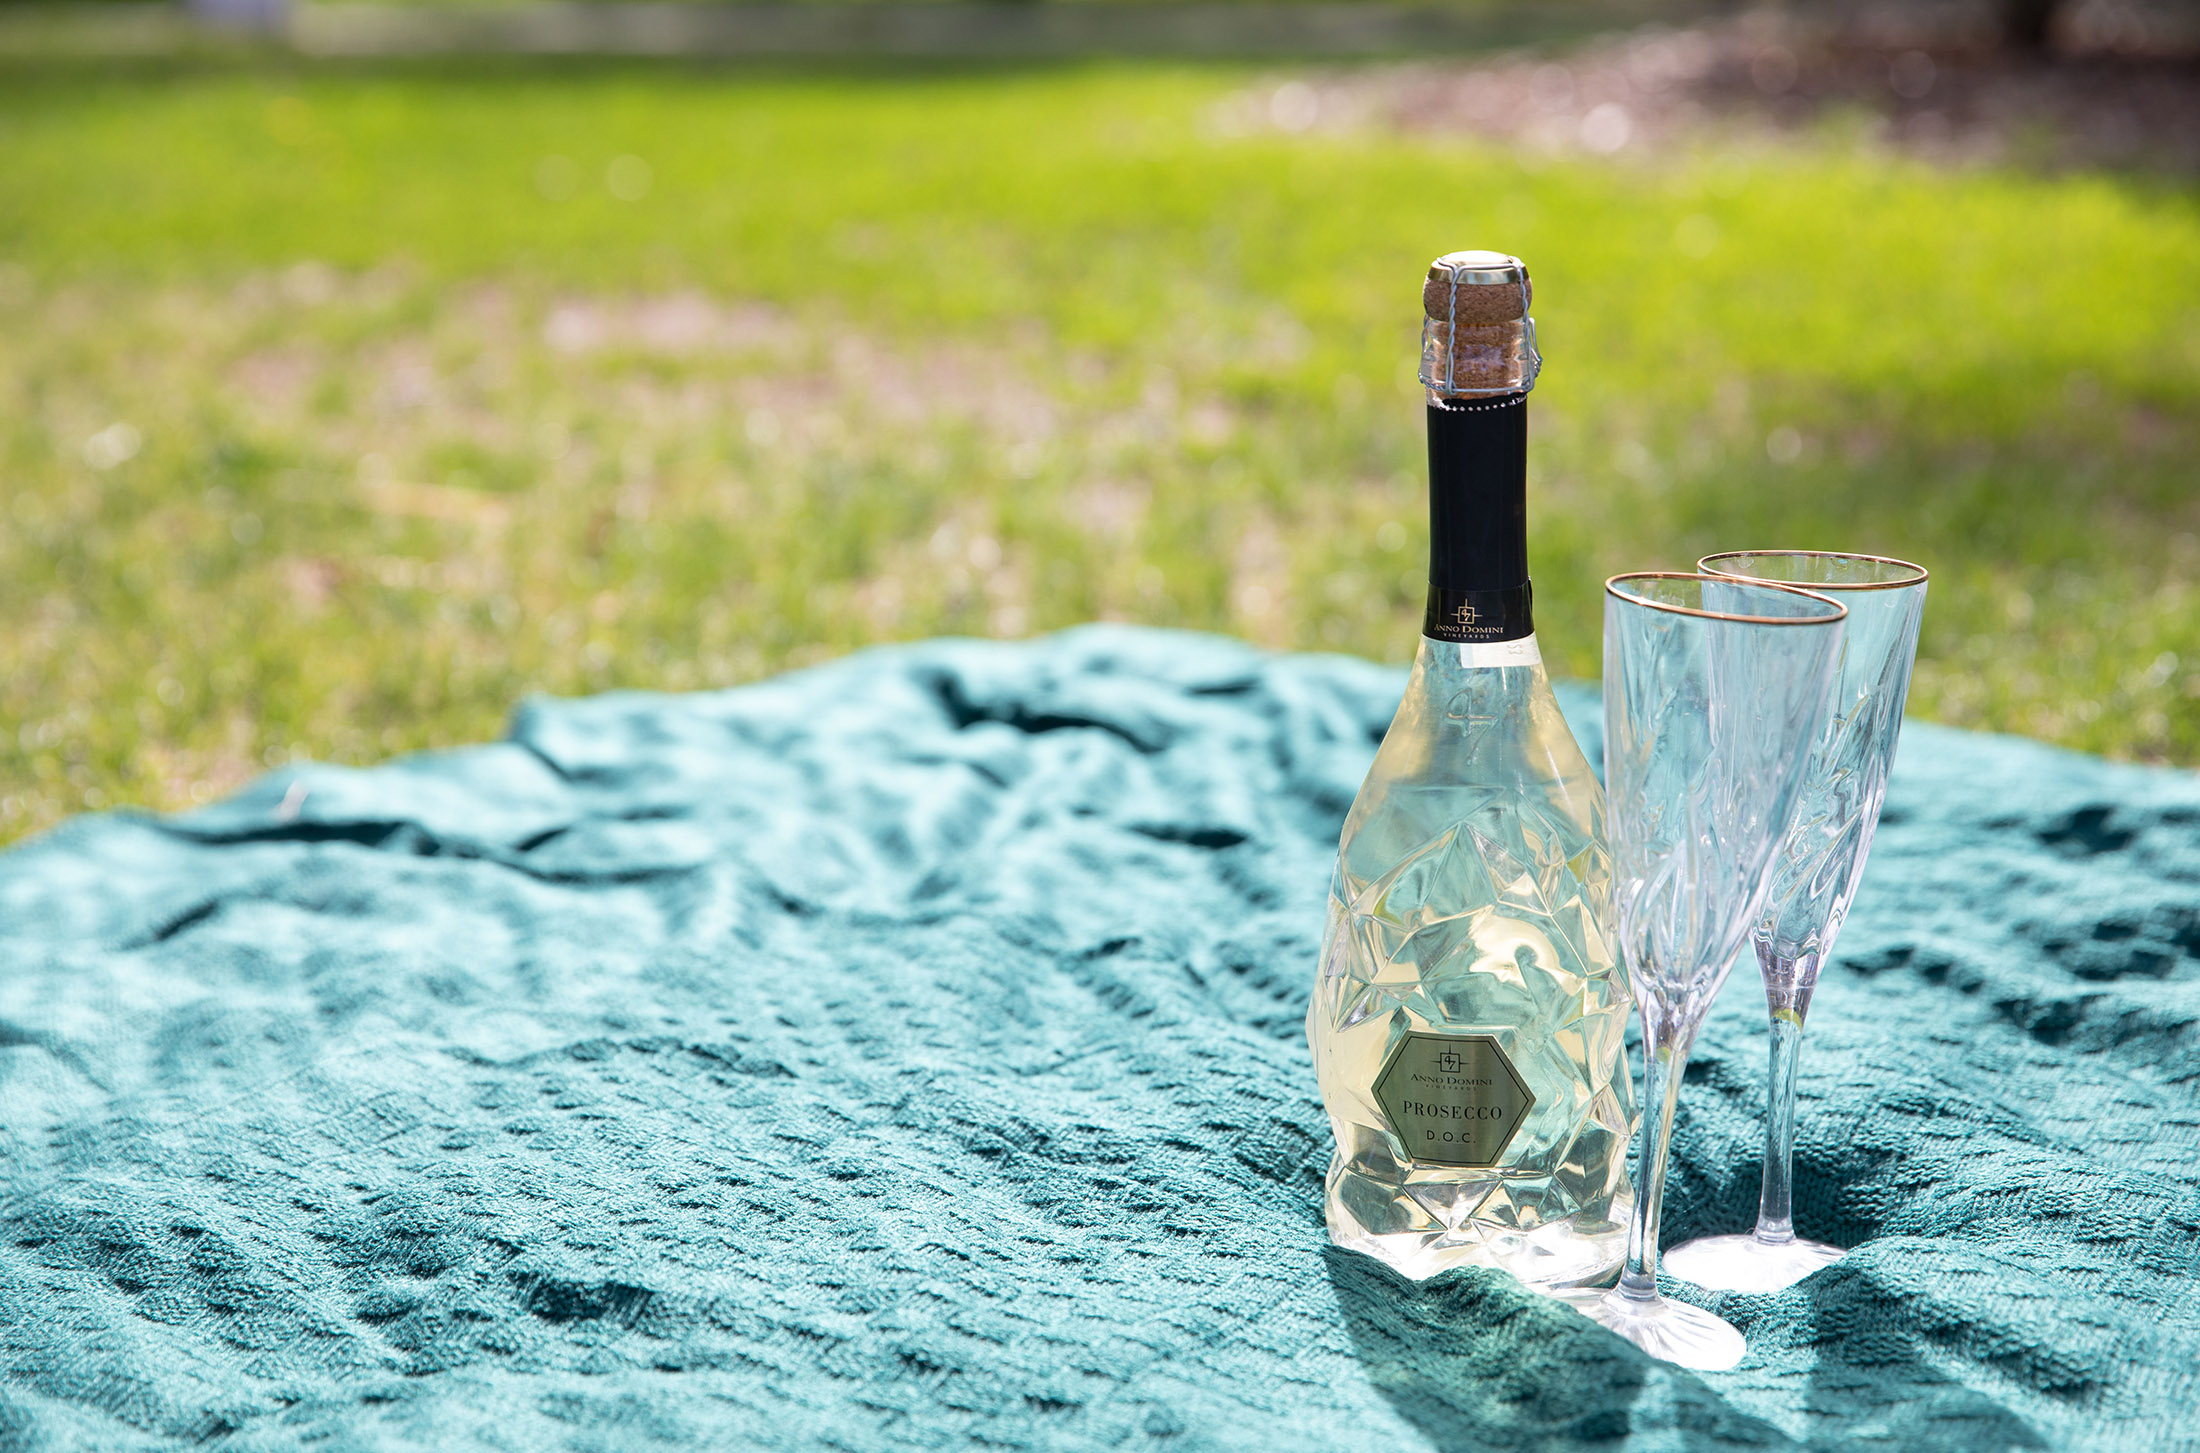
[(1480, 725), (1474, 739)]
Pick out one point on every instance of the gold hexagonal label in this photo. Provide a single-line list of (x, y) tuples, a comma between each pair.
[(1452, 1099)]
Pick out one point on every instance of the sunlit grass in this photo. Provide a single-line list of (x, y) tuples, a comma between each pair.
[(338, 410)]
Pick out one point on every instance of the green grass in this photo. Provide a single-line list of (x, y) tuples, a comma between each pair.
[(427, 418)]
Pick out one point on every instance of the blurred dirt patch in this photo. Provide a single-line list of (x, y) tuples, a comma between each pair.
[(1939, 82)]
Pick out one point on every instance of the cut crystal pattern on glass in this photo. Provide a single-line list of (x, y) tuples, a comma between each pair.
[(1477, 912)]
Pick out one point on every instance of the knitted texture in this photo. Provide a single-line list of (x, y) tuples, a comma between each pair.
[(907, 1054)]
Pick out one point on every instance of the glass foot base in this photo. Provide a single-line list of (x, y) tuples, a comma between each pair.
[(1745, 1264), (1683, 1335)]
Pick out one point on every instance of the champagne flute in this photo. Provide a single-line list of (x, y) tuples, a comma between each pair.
[(1815, 876), (1714, 690)]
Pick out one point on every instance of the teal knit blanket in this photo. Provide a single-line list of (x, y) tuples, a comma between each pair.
[(906, 1053)]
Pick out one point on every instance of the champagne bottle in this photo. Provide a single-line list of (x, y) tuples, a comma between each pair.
[(1468, 1016)]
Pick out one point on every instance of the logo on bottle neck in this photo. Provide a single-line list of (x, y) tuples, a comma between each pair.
[(1478, 615)]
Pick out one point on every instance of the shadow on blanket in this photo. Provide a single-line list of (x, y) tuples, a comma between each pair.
[(1474, 1360)]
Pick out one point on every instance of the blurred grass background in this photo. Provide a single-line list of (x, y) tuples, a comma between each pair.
[(340, 407)]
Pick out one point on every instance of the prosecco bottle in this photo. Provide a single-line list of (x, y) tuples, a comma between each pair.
[(1468, 1016)]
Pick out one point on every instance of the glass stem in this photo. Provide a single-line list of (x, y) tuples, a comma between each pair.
[(1664, 1056), (1776, 1203), (1787, 994)]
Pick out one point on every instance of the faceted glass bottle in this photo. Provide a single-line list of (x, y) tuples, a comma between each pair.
[(1468, 1020), (1472, 898)]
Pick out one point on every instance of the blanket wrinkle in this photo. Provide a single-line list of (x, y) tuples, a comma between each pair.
[(906, 1053)]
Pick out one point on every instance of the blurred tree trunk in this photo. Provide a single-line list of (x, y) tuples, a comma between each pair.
[(2028, 24)]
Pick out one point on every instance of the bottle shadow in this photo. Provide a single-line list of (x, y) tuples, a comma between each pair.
[(1475, 1360)]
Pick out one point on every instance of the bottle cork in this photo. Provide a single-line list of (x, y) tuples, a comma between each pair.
[(1477, 338)]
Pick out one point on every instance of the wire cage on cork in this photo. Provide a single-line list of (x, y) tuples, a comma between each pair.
[(1477, 340)]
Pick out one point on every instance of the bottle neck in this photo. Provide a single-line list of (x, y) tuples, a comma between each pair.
[(1478, 587)]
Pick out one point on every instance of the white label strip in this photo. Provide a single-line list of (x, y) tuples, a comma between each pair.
[(1523, 652)]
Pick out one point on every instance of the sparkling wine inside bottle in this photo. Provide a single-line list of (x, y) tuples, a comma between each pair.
[(1468, 1018)]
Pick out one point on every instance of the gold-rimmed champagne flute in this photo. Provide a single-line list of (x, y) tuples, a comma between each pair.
[(1714, 690)]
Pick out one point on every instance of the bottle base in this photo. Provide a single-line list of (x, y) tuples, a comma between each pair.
[(1548, 1259)]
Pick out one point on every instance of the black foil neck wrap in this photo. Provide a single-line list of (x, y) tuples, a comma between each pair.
[(1478, 520)]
